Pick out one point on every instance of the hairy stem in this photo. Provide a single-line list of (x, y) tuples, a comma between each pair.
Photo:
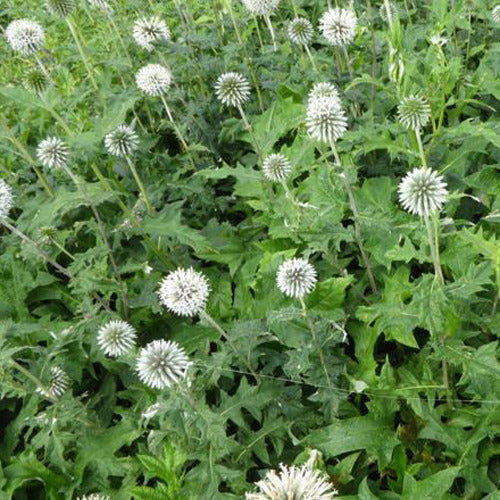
[(139, 183)]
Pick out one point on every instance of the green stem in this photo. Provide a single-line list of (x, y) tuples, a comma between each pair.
[(44, 70), (420, 147), (120, 39), (311, 58), (139, 183), (271, 30), (171, 118), (39, 385), (249, 127), (434, 246)]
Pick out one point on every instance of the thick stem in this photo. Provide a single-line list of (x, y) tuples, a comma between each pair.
[(57, 116), (433, 237), (259, 36), (311, 58), (170, 117), (348, 61), (139, 183), (44, 70), (249, 127), (420, 147), (271, 30)]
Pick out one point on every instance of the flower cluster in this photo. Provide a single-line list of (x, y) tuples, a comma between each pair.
[(261, 7), (326, 119), (276, 167), (122, 141), (300, 31), (414, 112)]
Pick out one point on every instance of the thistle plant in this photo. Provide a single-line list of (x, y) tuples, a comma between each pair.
[(102, 5), (6, 199), (122, 143), (58, 384), (36, 81), (296, 278), (495, 14), (116, 338), (300, 32), (263, 8), (52, 153), (148, 32)]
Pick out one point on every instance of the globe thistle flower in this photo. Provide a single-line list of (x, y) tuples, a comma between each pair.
[(300, 31), (47, 234), (184, 292), (61, 8), (495, 13), (94, 496), (102, 5), (148, 31), (326, 119), (422, 191), (36, 81), (394, 10), (323, 89), (276, 167), (122, 141), (6, 199), (154, 79), (293, 483), (52, 152), (296, 277), (25, 36), (162, 364), (338, 26), (232, 89), (58, 384), (261, 7), (116, 338), (414, 112)]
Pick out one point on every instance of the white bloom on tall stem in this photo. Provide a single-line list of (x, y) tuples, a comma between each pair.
[(263, 8), (184, 292), (162, 364), (52, 153), (326, 119), (495, 13), (300, 31), (151, 30), (323, 89), (116, 338), (25, 36), (102, 5), (293, 483), (122, 141), (154, 79), (414, 112), (296, 277), (338, 26), (6, 199), (276, 167), (232, 89), (59, 383)]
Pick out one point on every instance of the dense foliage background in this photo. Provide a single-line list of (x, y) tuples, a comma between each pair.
[(365, 388)]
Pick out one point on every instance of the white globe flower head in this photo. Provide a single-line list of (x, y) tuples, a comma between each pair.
[(276, 167), (61, 8), (184, 292), (293, 483), (326, 119), (300, 31), (261, 7), (232, 89), (394, 10), (59, 383), (52, 152), (338, 26), (162, 364), (151, 30), (6, 199), (495, 13), (122, 141), (102, 5), (422, 191), (25, 36), (296, 278), (154, 79), (323, 89), (116, 338), (414, 112)]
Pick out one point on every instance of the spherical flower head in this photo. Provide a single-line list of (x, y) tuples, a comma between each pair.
[(162, 364), (52, 152), (58, 384), (261, 7), (323, 89), (414, 112), (35, 81), (293, 483), (394, 10), (6, 199), (232, 89), (154, 79), (338, 26), (184, 292), (61, 8), (296, 277), (148, 31), (47, 234), (102, 5), (25, 36), (422, 191), (116, 338), (326, 119), (122, 141), (496, 14), (276, 167), (300, 31)]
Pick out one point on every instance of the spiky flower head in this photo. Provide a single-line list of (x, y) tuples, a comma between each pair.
[(276, 167), (422, 191), (116, 338), (261, 7), (232, 89), (59, 382), (293, 483), (94, 496), (326, 119), (296, 277), (150, 30), (162, 364), (35, 81), (300, 31), (394, 10), (47, 234), (6, 199), (102, 5), (496, 14), (184, 292), (61, 8), (25, 36), (414, 112), (338, 26), (323, 89), (52, 152), (122, 141), (154, 79)]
